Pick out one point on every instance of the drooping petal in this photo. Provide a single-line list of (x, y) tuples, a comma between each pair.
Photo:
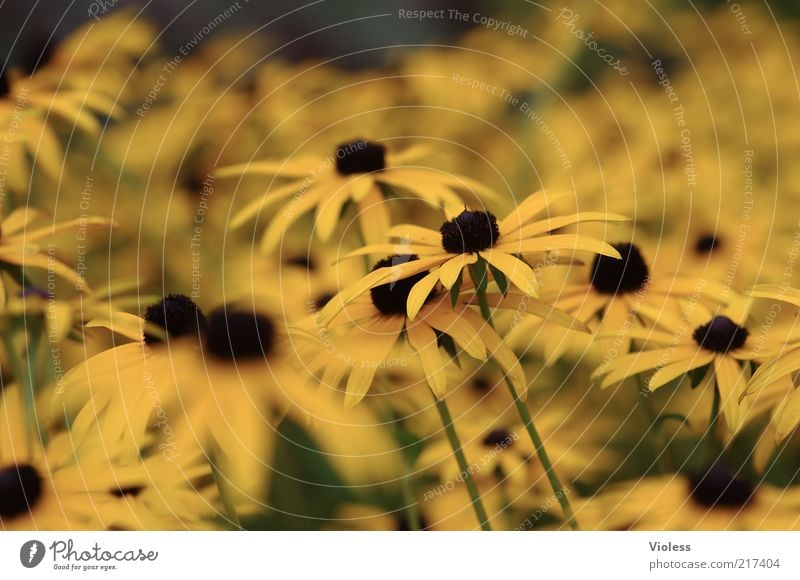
[(422, 339), (520, 274), (419, 293), (451, 269)]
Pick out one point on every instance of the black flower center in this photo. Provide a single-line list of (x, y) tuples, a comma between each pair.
[(360, 157), (391, 298), (20, 488), (497, 437), (470, 231), (239, 335), (719, 487), (721, 334), (612, 276), (482, 384), (176, 314), (707, 243)]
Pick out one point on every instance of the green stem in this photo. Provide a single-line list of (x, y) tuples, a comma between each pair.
[(24, 376), (455, 444), (227, 502), (708, 437), (552, 477), (410, 506), (662, 448)]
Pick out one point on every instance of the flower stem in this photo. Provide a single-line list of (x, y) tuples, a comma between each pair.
[(227, 503), (708, 437), (552, 476), (23, 374), (662, 448), (410, 506), (455, 444)]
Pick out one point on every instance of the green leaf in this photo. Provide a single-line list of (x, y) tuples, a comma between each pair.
[(500, 278), (479, 275), (448, 344), (456, 290), (697, 375)]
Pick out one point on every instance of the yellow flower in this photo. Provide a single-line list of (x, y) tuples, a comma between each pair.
[(360, 338), (778, 373), (77, 81), (358, 172), (91, 477), (217, 385), (717, 499), (717, 342), (608, 299), (19, 245), (476, 239)]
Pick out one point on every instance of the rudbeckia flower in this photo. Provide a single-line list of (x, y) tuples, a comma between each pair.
[(360, 337), (357, 172), (778, 373), (717, 343), (19, 244), (218, 384), (77, 81), (476, 239), (608, 299), (72, 315), (715, 499), (92, 478)]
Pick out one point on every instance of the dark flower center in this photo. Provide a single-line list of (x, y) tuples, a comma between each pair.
[(176, 314), (482, 384), (497, 437), (719, 487), (391, 298), (20, 488), (239, 335), (707, 243), (470, 231), (721, 334), (360, 157), (612, 276)]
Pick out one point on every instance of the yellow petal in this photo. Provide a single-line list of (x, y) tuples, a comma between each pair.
[(446, 320), (731, 383), (679, 368), (328, 212), (530, 207), (423, 340), (416, 234), (554, 223), (517, 271), (450, 270), (786, 416), (373, 217), (419, 293), (128, 325), (300, 167), (560, 242)]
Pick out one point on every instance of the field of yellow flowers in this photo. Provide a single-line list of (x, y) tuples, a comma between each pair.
[(541, 276)]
